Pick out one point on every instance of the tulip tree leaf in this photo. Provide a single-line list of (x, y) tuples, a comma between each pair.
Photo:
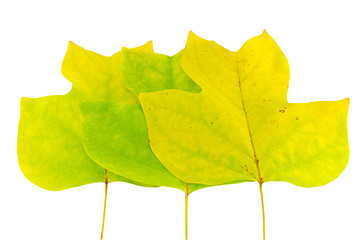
[(115, 134), (241, 127), (50, 143)]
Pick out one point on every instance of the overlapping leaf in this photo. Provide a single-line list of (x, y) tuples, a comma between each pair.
[(226, 120), (241, 127), (50, 143)]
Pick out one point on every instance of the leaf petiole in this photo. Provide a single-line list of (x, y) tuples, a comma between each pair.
[(105, 201), (262, 206), (186, 208)]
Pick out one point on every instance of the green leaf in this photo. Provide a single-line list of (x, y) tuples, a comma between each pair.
[(50, 143), (115, 134), (241, 127)]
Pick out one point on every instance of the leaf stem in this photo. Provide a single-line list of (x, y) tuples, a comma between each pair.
[(105, 201), (186, 209), (262, 206)]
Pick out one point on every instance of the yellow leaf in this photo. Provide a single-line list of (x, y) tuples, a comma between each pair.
[(241, 127)]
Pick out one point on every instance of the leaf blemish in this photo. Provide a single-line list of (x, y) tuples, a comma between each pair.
[(282, 110)]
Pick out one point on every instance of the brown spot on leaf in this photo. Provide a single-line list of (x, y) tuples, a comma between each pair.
[(282, 110)]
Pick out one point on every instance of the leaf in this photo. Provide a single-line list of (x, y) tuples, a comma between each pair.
[(241, 127), (50, 143), (115, 134)]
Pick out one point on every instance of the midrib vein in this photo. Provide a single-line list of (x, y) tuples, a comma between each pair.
[(256, 160)]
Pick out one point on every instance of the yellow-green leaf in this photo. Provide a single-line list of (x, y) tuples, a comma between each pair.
[(115, 134), (50, 143), (241, 127)]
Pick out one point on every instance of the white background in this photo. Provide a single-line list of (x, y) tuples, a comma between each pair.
[(322, 41)]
